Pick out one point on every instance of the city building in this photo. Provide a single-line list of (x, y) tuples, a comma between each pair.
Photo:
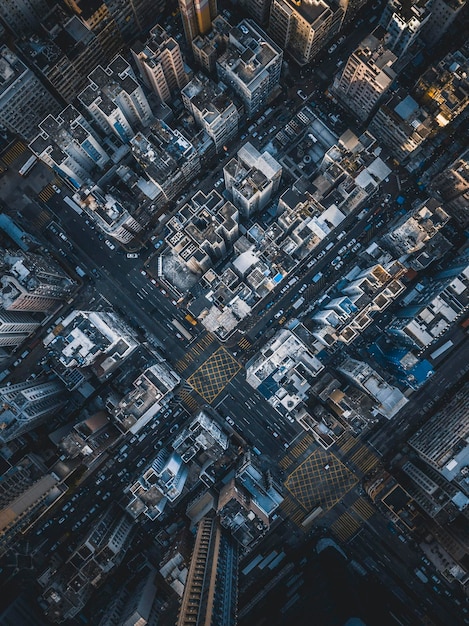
[(89, 339), (32, 283), (283, 371), (252, 179), (15, 327), (142, 606), (116, 101), (23, 17), (24, 101), (389, 400), (27, 490), (303, 28), (203, 434), (25, 405), (259, 10), (442, 441), (169, 160), (203, 231), (68, 145), (207, 48), (88, 439), (150, 392), (197, 17), (444, 88), (212, 109), (248, 503), (443, 14), (160, 64), (138, 602), (211, 589), (367, 75), (403, 22), (402, 125), (251, 66), (161, 482), (110, 215), (67, 588), (370, 292), (432, 307), (452, 186), (415, 237), (67, 48)]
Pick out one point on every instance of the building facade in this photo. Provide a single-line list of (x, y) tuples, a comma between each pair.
[(211, 590), (367, 75), (24, 101), (160, 63), (25, 405), (250, 66)]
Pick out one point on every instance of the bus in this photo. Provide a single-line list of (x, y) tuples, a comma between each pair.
[(28, 166), (181, 329), (73, 205), (441, 350)]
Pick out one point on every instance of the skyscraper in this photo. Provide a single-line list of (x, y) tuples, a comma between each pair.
[(24, 405), (367, 75), (197, 16), (15, 327), (24, 101), (251, 65), (211, 590), (23, 16), (32, 283), (303, 28), (160, 63)]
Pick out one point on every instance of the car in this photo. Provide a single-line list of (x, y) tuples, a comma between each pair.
[(55, 188), (339, 265), (301, 94), (275, 434), (109, 244), (229, 420), (173, 428), (132, 255), (341, 40), (153, 281), (62, 520), (356, 247), (143, 273), (158, 244), (333, 48), (387, 197), (63, 236), (335, 261), (95, 272), (164, 292), (278, 314)]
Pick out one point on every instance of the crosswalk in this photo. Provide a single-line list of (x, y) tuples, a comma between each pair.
[(293, 511), (301, 446), (244, 343), (195, 351), (363, 508), (346, 441), (14, 152), (345, 527), (42, 219), (46, 193), (364, 459), (187, 399), (285, 462)]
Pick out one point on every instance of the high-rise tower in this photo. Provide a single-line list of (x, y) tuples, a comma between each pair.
[(197, 16), (210, 593)]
